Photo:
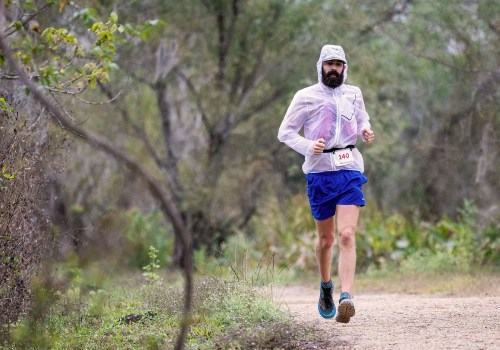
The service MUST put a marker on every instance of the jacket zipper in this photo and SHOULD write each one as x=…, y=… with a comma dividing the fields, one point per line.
x=337, y=129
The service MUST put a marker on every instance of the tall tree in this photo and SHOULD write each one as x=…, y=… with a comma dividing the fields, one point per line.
x=217, y=73
x=452, y=81
x=429, y=72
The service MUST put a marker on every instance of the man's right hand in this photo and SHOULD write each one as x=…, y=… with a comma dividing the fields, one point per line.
x=319, y=146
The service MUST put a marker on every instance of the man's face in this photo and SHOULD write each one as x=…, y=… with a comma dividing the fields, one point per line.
x=333, y=73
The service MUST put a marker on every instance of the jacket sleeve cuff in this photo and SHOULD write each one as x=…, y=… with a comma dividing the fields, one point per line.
x=310, y=149
x=362, y=127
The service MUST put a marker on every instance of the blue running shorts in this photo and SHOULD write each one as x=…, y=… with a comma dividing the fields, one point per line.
x=327, y=189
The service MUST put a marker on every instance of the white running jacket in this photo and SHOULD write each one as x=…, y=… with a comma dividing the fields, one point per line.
x=336, y=114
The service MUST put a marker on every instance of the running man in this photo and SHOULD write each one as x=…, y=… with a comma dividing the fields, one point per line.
x=332, y=115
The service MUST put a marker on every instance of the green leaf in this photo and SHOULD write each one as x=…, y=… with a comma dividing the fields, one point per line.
x=112, y=66
x=87, y=15
x=30, y=4
x=113, y=17
x=77, y=209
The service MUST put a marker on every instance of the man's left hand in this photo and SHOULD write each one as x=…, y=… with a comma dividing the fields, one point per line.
x=368, y=135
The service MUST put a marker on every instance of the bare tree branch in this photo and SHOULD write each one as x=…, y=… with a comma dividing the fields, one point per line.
x=28, y=18
x=8, y=76
x=111, y=99
x=198, y=101
x=139, y=132
x=262, y=105
x=224, y=32
x=397, y=9
x=166, y=59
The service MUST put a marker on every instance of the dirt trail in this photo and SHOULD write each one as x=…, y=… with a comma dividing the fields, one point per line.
x=402, y=321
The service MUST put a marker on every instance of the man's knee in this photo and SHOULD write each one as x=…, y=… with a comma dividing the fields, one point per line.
x=346, y=237
x=325, y=242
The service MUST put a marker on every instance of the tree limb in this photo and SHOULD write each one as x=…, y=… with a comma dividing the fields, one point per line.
x=197, y=98
x=139, y=132
x=29, y=17
x=397, y=9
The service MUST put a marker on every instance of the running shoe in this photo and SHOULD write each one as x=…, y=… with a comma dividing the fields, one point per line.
x=346, y=308
x=326, y=307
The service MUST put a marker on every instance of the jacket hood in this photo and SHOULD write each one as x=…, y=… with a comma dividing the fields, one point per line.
x=331, y=52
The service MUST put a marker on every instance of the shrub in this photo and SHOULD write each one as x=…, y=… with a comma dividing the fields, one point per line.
x=143, y=230
x=26, y=161
x=383, y=239
x=449, y=244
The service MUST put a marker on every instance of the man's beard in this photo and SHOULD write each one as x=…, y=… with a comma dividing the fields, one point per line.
x=333, y=79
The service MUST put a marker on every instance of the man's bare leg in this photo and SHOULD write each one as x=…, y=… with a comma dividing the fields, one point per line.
x=326, y=235
x=347, y=220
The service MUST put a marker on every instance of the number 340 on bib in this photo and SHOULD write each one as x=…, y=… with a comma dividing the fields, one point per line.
x=343, y=157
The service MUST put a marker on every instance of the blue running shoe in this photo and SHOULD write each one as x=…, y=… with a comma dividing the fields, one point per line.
x=346, y=308
x=326, y=307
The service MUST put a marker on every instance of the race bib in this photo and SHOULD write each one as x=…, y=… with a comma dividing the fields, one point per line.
x=343, y=157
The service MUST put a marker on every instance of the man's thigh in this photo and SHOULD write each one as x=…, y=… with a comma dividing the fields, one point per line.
x=325, y=228
x=347, y=216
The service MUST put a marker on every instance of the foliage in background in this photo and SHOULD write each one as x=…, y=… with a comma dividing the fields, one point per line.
x=384, y=241
x=222, y=158
x=424, y=107
x=457, y=244
x=282, y=247
x=143, y=231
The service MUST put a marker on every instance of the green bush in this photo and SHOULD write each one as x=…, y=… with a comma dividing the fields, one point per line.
x=426, y=261
x=459, y=244
x=383, y=240
x=490, y=244
x=142, y=231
